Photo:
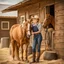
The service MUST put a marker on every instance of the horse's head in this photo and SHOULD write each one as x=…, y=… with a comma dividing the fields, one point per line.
x=28, y=28
x=47, y=21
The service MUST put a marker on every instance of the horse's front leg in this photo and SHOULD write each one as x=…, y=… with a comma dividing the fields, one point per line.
x=26, y=52
x=22, y=52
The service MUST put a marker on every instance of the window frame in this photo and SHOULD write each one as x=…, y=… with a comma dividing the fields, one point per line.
x=21, y=21
x=2, y=22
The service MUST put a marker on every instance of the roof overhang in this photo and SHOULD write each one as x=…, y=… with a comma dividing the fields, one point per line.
x=12, y=17
x=20, y=5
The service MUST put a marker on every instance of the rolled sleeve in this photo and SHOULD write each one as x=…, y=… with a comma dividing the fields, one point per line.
x=39, y=26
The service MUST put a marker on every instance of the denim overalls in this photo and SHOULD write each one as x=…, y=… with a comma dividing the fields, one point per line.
x=37, y=39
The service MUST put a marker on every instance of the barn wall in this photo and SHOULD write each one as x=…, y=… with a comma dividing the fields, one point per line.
x=5, y=33
x=59, y=27
x=36, y=9
x=29, y=10
x=43, y=5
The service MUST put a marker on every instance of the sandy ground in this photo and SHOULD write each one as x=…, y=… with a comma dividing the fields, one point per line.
x=5, y=58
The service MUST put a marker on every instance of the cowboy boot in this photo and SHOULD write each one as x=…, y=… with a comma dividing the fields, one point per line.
x=38, y=57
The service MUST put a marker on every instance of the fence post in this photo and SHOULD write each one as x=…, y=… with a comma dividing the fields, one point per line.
x=5, y=42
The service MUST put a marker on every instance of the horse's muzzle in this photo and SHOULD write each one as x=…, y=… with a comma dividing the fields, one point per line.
x=28, y=36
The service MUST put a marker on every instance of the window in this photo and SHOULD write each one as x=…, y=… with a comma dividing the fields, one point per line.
x=4, y=25
x=22, y=18
x=50, y=10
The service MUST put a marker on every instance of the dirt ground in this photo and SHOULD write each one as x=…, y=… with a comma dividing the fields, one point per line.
x=41, y=62
x=5, y=58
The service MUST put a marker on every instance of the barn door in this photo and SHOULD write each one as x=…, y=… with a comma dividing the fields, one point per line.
x=49, y=35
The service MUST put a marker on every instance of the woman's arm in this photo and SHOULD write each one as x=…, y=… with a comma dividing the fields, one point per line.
x=36, y=32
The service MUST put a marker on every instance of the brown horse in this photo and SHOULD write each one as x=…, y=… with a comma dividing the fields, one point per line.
x=20, y=35
x=49, y=20
x=49, y=34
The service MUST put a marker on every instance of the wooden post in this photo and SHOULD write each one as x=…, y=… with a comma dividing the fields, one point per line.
x=53, y=40
x=59, y=27
x=5, y=42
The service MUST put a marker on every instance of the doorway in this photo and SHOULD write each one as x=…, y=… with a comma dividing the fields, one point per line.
x=50, y=28
x=50, y=10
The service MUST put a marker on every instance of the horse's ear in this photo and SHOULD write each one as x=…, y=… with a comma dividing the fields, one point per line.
x=28, y=20
x=47, y=15
x=24, y=21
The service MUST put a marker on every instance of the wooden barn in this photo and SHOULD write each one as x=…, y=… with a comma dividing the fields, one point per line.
x=27, y=8
x=5, y=24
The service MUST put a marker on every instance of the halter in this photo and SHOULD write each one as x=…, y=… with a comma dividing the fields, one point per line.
x=28, y=30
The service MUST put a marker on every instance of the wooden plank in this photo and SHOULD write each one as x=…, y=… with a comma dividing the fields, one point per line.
x=59, y=17
x=59, y=45
x=59, y=13
x=58, y=1
x=32, y=9
x=60, y=51
x=59, y=21
x=59, y=33
x=60, y=38
x=50, y=2
x=59, y=6
x=58, y=41
x=59, y=26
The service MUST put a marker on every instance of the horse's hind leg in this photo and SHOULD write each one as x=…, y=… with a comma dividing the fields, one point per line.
x=17, y=51
x=26, y=52
x=13, y=48
x=22, y=52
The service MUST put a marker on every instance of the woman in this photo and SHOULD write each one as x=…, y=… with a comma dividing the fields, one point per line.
x=37, y=39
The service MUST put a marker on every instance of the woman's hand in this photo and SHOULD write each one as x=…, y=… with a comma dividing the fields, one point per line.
x=33, y=33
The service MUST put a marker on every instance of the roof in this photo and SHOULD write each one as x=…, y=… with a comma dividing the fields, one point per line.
x=20, y=4
x=8, y=17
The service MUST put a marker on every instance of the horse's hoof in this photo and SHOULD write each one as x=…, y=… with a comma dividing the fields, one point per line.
x=17, y=59
x=13, y=59
x=22, y=59
x=26, y=61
